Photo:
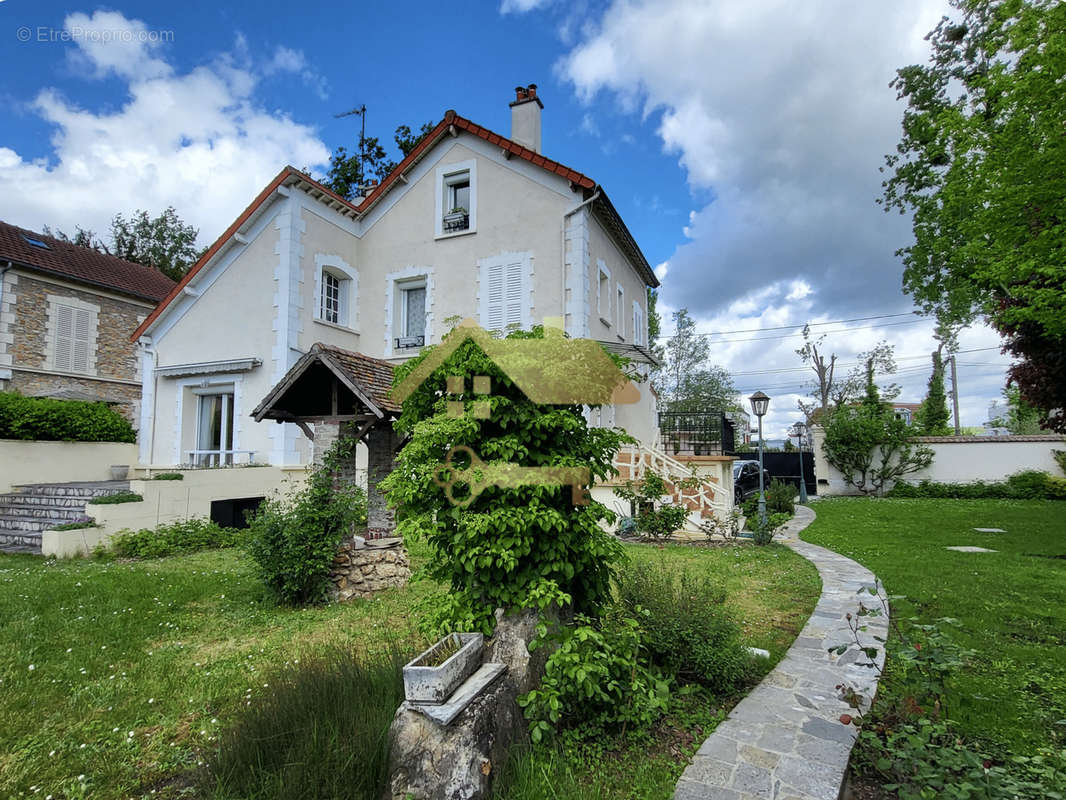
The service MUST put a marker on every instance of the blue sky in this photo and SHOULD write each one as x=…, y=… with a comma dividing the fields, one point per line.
x=740, y=141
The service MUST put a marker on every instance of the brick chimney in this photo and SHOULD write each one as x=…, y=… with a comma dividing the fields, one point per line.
x=525, y=117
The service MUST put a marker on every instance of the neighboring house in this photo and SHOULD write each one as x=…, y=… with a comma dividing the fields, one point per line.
x=906, y=411
x=470, y=224
x=66, y=317
x=997, y=413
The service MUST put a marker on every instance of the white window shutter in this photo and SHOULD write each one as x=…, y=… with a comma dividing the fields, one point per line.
x=495, y=318
x=79, y=361
x=62, y=356
x=514, y=294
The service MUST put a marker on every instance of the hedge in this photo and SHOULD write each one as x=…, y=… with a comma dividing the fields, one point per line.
x=46, y=420
x=1027, y=485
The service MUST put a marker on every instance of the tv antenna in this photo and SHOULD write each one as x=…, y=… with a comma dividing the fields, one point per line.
x=361, y=112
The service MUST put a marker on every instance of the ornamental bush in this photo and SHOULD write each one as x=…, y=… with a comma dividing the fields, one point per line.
x=781, y=498
x=686, y=627
x=46, y=420
x=511, y=547
x=294, y=539
x=655, y=523
x=1025, y=485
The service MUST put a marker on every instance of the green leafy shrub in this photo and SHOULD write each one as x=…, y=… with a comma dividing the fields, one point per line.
x=294, y=539
x=781, y=498
x=595, y=680
x=1026, y=485
x=174, y=538
x=686, y=628
x=928, y=759
x=655, y=523
x=46, y=420
x=1060, y=459
x=76, y=526
x=510, y=547
x=116, y=499
x=168, y=476
x=320, y=733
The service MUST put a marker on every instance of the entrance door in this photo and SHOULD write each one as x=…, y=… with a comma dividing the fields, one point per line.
x=214, y=436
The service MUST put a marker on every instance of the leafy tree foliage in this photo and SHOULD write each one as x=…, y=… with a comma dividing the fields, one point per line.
x=932, y=417
x=511, y=547
x=370, y=163
x=982, y=168
x=1021, y=417
x=869, y=445
x=164, y=242
x=830, y=389
x=684, y=382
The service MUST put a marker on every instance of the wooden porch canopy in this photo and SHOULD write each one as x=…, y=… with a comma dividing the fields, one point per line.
x=332, y=385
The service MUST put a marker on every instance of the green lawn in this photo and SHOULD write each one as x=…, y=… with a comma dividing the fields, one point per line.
x=1011, y=604
x=116, y=678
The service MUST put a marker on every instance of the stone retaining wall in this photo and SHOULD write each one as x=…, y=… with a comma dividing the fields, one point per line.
x=361, y=571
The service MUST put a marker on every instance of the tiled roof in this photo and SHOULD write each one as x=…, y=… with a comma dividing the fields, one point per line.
x=81, y=264
x=372, y=375
x=1037, y=437
x=290, y=176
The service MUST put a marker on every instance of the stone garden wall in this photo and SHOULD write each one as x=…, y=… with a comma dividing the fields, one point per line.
x=360, y=570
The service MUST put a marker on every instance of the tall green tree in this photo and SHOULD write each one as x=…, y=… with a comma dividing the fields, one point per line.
x=932, y=417
x=981, y=167
x=165, y=242
x=684, y=353
x=349, y=171
x=1021, y=418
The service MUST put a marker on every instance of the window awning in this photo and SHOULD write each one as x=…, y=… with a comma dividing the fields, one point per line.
x=209, y=368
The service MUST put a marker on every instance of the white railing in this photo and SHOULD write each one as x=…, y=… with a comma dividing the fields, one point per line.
x=205, y=459
x=707, y=496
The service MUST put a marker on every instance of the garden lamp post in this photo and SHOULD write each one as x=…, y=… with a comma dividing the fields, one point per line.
x=799, y=430
x=759, y=404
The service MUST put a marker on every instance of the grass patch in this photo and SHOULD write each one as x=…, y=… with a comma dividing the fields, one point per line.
x=1011, y=604
x=321, y=733
x=770, y=592
x=141, y=670
x=75, y=526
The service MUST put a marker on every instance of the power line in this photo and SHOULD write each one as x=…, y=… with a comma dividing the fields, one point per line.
x=811, y=324
x=823, y=333
x=849, y=363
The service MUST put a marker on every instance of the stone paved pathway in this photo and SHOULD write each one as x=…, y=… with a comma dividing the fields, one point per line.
x=785, y=740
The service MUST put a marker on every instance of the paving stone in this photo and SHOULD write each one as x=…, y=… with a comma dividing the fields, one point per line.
x=784, y=740
x=990, y=530
x=969, y=549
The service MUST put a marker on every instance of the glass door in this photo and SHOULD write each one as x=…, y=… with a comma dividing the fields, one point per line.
x=214, y=438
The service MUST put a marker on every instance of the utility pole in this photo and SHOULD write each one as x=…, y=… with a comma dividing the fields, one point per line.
x=955, y=395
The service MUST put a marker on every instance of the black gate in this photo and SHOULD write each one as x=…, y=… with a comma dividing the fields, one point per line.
x=786, y=467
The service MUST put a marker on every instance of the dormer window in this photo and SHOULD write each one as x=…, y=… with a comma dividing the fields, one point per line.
x=456, y=207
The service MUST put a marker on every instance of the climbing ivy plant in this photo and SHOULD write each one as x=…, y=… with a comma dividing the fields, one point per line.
x=512, y=547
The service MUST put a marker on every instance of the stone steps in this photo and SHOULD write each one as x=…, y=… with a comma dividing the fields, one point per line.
x=37, y=507
x=19, y=541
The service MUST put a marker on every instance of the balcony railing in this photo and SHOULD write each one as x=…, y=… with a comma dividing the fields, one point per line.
x=407, y=342
x=697, y=433
x=455, y=221
x=207, y=459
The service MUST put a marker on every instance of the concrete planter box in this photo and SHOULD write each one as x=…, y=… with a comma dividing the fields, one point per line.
x=435, y=684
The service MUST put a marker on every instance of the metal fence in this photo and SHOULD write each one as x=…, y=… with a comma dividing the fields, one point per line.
x=695, y=433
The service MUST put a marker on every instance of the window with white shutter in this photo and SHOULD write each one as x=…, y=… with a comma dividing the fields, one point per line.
x=638, y=324
x=505, y=292
x=73, y=335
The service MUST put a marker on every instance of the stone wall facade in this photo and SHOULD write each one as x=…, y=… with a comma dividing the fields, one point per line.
x=114, y=372
x=361, y=571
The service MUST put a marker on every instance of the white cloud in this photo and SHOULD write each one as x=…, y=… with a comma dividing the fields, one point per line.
x=197, y=140
x=287, y=60
x=521, y=6
x=783, y=111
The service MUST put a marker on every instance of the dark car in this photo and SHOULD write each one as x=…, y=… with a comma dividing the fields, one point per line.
x=746, y=480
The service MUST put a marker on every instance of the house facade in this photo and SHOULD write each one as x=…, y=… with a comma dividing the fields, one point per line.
x=66, y=317
x=471, y=224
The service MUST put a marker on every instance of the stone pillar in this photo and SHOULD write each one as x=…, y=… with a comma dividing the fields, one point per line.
x=381, y=443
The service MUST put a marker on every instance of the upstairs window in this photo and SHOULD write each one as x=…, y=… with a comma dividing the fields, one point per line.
x=411, y=322
x=638, y=324
x=505, y=302
x=603, y=293
x=331, y=298
x=620, y=312
x=337, y=287
x=456, y=206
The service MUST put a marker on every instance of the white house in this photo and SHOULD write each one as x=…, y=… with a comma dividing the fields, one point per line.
x=470, y=224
